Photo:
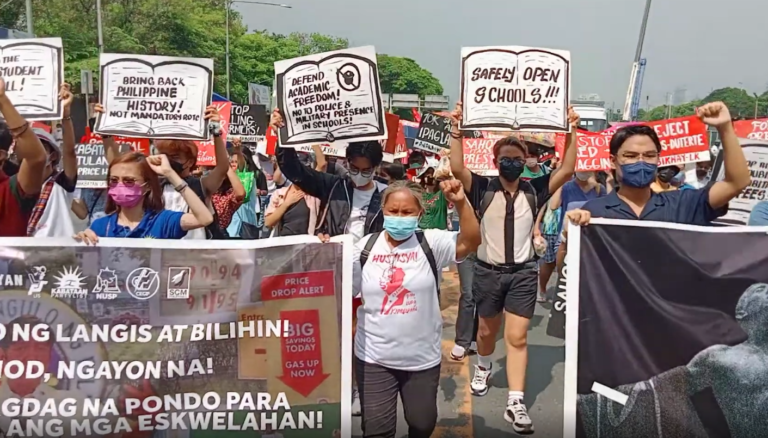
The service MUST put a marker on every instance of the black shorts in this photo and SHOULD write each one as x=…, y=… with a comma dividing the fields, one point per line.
x=511, y=289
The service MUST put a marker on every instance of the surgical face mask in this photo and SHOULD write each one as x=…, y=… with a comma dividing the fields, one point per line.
x=638, y=175
x=359, y=180
x=583, y=176
x=678, y=179
x=510, y=168
x=126, y=196
x=400, y=227
x=665, y=175
x=531, y=162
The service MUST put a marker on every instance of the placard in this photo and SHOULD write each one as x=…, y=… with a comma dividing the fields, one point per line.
x=740, y=207
x=92, y=165
x=155, y=97
x=478, y=156
x=752, y=129
x=206, y=149
x=515, y=88
x=683, y=140
x=328, y=97
x=249, y=122
x=434, y=133
x=33, y=70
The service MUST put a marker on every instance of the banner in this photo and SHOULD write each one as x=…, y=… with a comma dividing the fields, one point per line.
x=752, y=129
x=739, y=209
x=434, y=133
x=175, y=338
x=665, y=331
x=33, y=70
x=137, y=144
x=478, y=156
x=249, y=122
x=206, y=152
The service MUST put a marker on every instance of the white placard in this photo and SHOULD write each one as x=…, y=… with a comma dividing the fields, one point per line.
x=740, y=207
x=155, y=97
x=515, y=88
x=33, y=71
x=333, y=96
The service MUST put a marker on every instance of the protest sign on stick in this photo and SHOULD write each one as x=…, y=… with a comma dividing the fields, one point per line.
x=328, y=97
x=155, y=97
x=249, y=122
x=515, y=88
x=232, y=338
x=478, y=156
x=33, y=71
x=92, y=165
x=434, y=133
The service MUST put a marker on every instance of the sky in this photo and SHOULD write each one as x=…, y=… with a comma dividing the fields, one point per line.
x=696, y=45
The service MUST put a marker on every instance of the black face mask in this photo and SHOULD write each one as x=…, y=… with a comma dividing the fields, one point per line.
x=666, y=175
x=381, y=179
x=177, y=167
x=510, y=168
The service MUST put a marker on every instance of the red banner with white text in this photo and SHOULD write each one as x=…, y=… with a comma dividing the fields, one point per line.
x=752, y=129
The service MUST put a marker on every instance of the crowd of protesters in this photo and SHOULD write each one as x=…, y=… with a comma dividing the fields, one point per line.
x=507, y=234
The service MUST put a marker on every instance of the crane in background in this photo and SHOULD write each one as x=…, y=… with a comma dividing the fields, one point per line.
x=632, y=103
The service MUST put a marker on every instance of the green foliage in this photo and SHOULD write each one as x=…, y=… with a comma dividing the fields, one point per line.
x=740, y=103
x=192, y=28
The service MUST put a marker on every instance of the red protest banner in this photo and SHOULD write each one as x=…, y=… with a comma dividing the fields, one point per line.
x=301, y=350
x=683, y=140
x=206, y=156
x=136, y=144
x=593, y=152
x=298, y=285
x=752, y=129
x=478, y=156
x=393, y=129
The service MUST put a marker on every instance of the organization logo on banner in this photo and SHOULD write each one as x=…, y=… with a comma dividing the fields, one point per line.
x=69, y=284
x=178, y=283
x=142, y=283
x=106, y=287
x=37, y=280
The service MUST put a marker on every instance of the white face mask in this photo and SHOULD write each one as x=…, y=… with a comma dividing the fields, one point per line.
x=531, y=162
x=360, y=180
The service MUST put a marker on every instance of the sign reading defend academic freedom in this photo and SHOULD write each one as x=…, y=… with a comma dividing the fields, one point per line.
x=329, y=97
x=515, y=88
x=155, y=97
x=92, y=165
x=33, y=71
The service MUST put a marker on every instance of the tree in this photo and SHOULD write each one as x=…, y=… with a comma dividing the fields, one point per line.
x=740, y=103
x=405, y=76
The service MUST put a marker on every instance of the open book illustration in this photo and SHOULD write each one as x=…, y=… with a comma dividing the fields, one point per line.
x=155, y=97
x=33, y=73
x=331, y=98
x=515, y=88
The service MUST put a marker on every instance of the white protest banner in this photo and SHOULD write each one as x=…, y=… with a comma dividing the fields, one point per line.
x=333, y=96
x=515, y=88
x=155, y=97
x=33, y=71
x=240, y=334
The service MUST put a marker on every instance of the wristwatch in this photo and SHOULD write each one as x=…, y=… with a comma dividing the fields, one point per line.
x=215, y=129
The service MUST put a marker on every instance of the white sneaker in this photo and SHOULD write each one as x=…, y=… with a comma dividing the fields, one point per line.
x=517, y=415
x=458, y=353
x=356, y=411
x=479, y=384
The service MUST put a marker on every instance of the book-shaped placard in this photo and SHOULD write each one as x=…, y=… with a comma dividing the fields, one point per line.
x=155, y=96
x=330, y=97
x=515, y=88
x=33, y=71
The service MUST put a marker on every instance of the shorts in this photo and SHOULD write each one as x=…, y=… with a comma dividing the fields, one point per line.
x=512, y=289
x=553, y=243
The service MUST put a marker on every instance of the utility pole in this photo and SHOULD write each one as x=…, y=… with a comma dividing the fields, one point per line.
x=98, y=26
x=227, y=48
x=30, y=26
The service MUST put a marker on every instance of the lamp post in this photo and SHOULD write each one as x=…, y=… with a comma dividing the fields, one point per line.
x=30, y=26
x=229, y=4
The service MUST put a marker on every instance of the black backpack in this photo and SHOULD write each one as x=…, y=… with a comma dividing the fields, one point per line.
x=424, y=247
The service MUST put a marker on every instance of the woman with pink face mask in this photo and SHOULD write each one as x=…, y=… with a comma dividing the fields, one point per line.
x=135, y=205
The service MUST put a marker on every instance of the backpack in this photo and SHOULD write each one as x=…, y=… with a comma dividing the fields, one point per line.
x=424, y=247
x=212, y=231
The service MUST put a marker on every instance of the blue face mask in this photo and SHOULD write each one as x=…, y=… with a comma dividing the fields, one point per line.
x=401, y=227
x=638, y=175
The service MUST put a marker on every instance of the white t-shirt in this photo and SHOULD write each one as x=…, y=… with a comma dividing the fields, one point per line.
x=361, y=199
x=56, y=220
x=399, y=325
x=174, y=201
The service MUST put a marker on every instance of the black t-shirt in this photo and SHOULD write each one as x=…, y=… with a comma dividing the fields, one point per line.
x=295, y=221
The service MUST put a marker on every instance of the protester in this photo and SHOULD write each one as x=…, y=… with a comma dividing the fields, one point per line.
x=389, y=172
x=51, y=215
x=533, y=169
x=759, y=215
x=135, y=205
x=292, y=212
x=635, y=151
x=547, y=224
x=245, y=222
x=704, y=171
x=505, y=279
x=19, y=192
x=399, y=330
x=670, y=178
x=435, y=204
x=583, y=187
x=228, y=199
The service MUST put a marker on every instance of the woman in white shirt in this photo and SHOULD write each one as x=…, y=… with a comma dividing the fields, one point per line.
x=399, y=325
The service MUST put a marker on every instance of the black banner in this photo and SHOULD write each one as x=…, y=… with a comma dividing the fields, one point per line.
x=672, y=330
x=248, y=122
x=434, y=133
x=92, y=165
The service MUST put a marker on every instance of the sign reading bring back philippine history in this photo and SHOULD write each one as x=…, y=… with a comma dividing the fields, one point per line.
x=515, y=88
x=33, y=71
x=155, y=96
x=330, y=97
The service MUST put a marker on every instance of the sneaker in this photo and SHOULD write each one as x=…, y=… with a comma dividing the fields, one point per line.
x=517, y=415
x=479, y=384
x=356, y=411
x=458, y=353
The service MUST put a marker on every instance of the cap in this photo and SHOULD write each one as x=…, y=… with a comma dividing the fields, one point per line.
x=46, y=137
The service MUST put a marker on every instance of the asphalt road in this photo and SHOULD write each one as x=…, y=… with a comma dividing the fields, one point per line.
x=462, y=415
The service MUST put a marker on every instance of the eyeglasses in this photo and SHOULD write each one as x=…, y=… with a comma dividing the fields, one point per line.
x=127, y=181
x=355, y=171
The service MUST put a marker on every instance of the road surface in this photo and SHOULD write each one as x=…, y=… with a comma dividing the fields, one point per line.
x=461, y=415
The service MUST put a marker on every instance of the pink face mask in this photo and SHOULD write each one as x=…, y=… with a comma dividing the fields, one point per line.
x=126, y=196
